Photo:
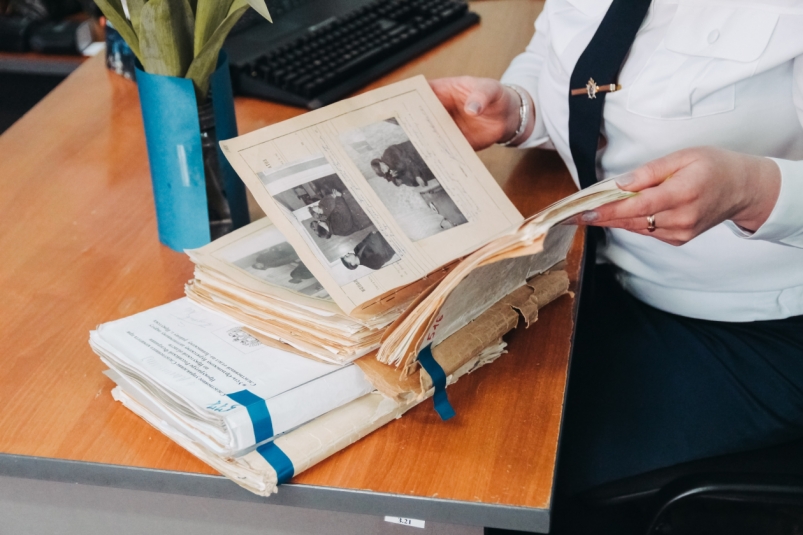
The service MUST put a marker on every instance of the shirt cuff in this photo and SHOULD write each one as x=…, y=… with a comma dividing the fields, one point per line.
x=539, y=134
x=785, y=223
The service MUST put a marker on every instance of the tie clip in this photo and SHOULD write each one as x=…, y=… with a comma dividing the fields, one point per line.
x=591, y=89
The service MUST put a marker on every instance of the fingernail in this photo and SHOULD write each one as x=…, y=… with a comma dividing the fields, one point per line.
x=473, y=108
x=624, y=180
x=589, y=217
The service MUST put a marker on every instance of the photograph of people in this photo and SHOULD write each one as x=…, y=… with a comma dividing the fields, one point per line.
x=299, y=274
x=329, y=217
x=277, y=255
x=372, y=252
x=689, y=342
x=277, y=264
x=402, y=165
x=402, y=180
x=338, y=214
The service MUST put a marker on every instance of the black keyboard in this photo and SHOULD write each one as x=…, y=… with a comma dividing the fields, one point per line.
x=332, y=59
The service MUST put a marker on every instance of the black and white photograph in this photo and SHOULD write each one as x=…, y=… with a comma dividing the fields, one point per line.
x=268, y=257
x=401, y=178
x=330, y=218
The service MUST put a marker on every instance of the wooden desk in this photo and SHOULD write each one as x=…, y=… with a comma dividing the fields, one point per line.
x=79, y=247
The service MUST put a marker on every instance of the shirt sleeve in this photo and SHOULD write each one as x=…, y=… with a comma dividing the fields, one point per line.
x=525, y=70
x=785, y=223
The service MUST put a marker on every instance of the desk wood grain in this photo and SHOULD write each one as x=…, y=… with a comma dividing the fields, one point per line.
x=79, y=247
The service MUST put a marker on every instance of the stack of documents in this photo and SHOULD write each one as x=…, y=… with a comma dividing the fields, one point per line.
x=254, y=276
x=204, y=375
x=391, y=263
x=372, y=204
x=257, y=414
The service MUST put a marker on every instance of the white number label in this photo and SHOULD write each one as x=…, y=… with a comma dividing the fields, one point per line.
x=405, y=521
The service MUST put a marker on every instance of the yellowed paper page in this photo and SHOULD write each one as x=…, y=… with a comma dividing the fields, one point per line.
x=374, y=192
x=417, y=328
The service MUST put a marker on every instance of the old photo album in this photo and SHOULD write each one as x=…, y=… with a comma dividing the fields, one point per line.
x=374, y=192
x=389, y=265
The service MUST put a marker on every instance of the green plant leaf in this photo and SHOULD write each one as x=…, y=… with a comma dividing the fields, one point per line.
x=134, y=10
x=237, y=4
x=166, y=36
x=260, y=7
x=205, y=61
x=209, y=15
x=113, y=11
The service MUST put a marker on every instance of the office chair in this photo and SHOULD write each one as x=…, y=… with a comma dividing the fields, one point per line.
x=757, y=493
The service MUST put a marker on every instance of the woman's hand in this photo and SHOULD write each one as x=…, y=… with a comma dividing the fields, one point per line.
x=486, y=111
x=692, y=190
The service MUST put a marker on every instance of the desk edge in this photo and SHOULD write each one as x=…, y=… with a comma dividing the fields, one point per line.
x=308, y=496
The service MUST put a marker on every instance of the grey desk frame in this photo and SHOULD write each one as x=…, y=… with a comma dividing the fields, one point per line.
x=306, y=496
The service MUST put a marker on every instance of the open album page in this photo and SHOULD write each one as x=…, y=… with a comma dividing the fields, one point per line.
x=374, y=192
x=258, y=258
x=418, y=327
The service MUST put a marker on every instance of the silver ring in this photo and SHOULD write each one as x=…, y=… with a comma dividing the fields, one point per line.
x=651, y=223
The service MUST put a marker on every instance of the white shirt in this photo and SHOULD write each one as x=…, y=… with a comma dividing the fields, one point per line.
x=725, y=73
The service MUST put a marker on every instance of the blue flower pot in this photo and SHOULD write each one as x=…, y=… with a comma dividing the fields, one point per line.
x=190, y=175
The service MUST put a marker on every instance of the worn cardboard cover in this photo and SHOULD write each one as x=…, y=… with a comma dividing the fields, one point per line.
x=468, y=342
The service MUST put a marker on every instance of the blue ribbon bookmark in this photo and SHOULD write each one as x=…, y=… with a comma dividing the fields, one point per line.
x=258, y=411
x=278, y=460
x=441, y=401
x=263, y=429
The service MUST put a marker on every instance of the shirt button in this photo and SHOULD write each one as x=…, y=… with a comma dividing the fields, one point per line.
x=713, y=36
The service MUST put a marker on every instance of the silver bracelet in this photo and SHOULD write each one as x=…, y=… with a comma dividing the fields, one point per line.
x=524, y=115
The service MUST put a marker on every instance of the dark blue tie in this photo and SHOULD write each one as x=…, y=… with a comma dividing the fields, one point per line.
x=601, y=61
